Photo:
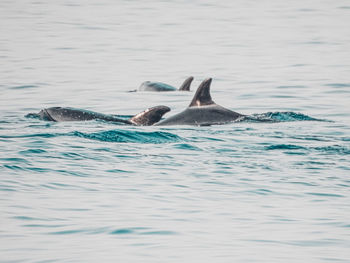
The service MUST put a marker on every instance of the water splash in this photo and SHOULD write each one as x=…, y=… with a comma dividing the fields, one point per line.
x=286, y=116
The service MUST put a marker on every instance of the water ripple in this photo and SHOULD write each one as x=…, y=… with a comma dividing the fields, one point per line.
x=338, y=85
x=125, y=136
x=287, y=116
x=23, y=87
x=130, y=136
x=285, y=147
x=275, y=183
x=326, y=194
x=330, y=149
x=101, y=230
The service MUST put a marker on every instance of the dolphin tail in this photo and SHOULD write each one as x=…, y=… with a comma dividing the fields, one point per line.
x=150, y=116
x=202, y=96
x=187, y=84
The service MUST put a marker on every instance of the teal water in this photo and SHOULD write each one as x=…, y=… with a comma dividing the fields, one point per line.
x=272, y=187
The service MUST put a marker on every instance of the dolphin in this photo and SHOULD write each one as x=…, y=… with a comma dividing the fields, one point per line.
x=58, y=114
x=159, y=86
x=202, y=110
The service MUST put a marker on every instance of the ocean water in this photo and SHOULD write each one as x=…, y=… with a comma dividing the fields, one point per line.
x=274, y=187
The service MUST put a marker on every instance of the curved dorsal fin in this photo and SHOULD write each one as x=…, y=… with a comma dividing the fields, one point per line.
x=150, y=116
x=187, y=84
x=202, y=96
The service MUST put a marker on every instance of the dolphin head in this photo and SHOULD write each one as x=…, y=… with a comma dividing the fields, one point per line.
x=150, y=116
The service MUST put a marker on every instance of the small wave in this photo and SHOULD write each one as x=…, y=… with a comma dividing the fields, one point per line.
x=32, y=151
x=286, y=116
x=285, y=147
x=338, y=85
x=44, y=135
x=293, y=87
x=141, y=231
x=32, y=116
x=186, y=146
x=67, y=232
x=130, y=136
x=122, y=231
x=334, y=149
x=326, y=194
x=162, y=232
x=24, y=87
x=29, y=218
x=127, y=136
x=331, y=149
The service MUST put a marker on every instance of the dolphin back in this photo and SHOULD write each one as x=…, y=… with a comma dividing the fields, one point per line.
x=155, y=86
x=58, y=114
x=202, y=110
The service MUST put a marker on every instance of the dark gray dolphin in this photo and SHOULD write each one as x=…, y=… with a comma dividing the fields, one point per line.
x=202, y=110
x=146, y=118
x=159, y=86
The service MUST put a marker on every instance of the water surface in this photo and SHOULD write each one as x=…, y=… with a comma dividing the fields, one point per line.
x=271, y=188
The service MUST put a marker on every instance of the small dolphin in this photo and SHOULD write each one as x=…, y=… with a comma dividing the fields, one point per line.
x=202, y=110
x=58, y=114
x=159, y=86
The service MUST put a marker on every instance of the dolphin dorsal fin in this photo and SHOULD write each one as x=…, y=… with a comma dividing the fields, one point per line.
x=150, y=116
x=187, y=84
x=202, y=96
